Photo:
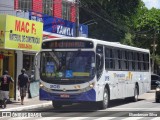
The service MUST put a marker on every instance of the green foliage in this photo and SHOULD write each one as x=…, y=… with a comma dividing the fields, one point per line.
x=125, y=21
x=128, y=39
x=147, y=23
x=113, y=17
x=157, y=59
x=149, y=19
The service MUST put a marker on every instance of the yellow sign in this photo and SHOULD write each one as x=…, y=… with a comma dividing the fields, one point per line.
x=2, y=30
x=22, y=34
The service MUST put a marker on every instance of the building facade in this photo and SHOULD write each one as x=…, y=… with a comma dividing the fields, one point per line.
x=64, y=9
x=14, y=60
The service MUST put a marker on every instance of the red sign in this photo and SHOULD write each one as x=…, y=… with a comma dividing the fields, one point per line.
x=64, y=96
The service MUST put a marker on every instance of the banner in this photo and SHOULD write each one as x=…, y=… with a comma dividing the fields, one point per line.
x=59, y=26
x=22, y=34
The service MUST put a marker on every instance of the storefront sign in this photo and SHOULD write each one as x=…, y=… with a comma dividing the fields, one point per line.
x=58, y=25
x=21, y=34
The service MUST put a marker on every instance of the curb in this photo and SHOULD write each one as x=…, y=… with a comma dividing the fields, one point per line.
x=27, y=107
x=151, y=91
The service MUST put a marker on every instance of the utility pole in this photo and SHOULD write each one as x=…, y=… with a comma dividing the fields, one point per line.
x=77, y=18
x=154, y=50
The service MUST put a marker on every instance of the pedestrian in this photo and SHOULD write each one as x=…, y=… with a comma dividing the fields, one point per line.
x=23, y=82
x=5, y=81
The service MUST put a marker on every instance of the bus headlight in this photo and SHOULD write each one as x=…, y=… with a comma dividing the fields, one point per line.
x=91, y=85
x=41, y=85
x=158, y=89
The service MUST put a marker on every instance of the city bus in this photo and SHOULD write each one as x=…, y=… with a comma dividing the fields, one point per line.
x=76, y=70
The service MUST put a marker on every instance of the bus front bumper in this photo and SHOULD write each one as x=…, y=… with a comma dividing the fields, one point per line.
x=76, y=97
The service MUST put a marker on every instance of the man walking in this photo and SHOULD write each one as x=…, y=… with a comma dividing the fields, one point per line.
x=23, y=81
x=5, y=81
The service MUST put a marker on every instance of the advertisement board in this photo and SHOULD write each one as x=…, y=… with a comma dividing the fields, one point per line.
x=21, y=34
x=59, y=26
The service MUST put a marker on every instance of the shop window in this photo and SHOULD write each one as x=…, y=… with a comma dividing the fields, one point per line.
x=25, y=5
x=28, y=64
x=65, y=10
x=48, y=7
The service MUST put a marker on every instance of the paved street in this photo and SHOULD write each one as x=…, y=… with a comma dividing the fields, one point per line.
x=119, y=109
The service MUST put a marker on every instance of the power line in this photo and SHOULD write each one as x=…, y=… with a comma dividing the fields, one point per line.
x=106, y=20
x=115, y=31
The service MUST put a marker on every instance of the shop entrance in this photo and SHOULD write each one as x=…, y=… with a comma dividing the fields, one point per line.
x=7, y=62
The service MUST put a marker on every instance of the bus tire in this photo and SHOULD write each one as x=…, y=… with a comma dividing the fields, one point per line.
x=56, y=104
x=105, y=102
x=157, y=100
x=135, y=97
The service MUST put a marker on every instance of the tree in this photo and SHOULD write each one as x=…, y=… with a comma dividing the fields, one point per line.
x=128, y=39
x=148, y=26
x=128, y=22
x=111, y=16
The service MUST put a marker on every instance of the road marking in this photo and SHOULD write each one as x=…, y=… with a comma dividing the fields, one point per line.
x=81, y=118
x=95, y=118
x=78, y=118
x=100, y=115
x=156, y=118
x=19, y=118
x=143, y=118
x=146, y=109
x=133, y=118
x=105, y=118
x=50, y=118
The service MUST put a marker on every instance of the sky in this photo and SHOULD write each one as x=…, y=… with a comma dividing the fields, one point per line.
x=152, y=3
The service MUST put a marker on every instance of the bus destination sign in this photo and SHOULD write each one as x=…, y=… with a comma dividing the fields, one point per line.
x=67, y=44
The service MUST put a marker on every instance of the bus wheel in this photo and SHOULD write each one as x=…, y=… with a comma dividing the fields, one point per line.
x=104, y=104
x=56, y=104
x=135, y=97
x=157, y=100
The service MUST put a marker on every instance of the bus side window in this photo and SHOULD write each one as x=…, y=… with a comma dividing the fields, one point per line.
x=119, y=59
x=99, y=60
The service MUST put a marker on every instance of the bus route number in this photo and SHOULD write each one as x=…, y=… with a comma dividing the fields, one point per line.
x=106, y=78
x=54, y=86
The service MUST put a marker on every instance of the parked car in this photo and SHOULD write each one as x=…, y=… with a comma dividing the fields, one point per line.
x=154, y=79
x=157, y=96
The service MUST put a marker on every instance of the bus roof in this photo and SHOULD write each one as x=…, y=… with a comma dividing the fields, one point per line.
x=112, y=44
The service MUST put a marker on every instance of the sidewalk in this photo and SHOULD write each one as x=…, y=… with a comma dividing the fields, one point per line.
x=29, y=103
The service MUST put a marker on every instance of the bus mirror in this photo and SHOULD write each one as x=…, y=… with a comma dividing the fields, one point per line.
x=98, y=59
x=99, y=55
x=36, y=59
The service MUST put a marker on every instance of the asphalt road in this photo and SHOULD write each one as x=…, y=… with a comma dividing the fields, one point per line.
x=145, y=109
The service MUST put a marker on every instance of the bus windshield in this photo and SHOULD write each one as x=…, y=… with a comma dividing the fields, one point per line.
x=67, y=65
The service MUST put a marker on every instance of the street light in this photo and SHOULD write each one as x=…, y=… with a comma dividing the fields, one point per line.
x=154, y=45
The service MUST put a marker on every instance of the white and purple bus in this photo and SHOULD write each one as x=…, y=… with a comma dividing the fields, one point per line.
x=74, y=70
